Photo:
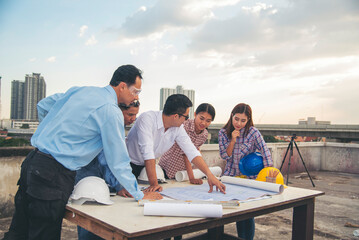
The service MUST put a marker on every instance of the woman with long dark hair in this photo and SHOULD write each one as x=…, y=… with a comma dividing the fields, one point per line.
x=237, y=139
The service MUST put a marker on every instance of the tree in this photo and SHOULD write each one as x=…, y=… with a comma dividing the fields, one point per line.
x=269, y=139
x=13, y=142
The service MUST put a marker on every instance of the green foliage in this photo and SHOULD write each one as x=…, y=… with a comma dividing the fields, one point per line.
x=14, y=142
x=270, y=139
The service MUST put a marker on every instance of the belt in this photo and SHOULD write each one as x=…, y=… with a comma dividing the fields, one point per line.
x=51, y=158
x=37, y=151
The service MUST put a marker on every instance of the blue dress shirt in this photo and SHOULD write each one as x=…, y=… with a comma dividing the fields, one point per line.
x=77, y=125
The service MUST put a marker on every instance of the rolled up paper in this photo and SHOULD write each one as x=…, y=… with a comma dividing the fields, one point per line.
x=273, y=187
x=183, y=210
x=183, y=175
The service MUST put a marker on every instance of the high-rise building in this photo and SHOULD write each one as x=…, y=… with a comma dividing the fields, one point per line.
x=17, y=99
x=26, y=95
x=0, y=97
x=166, y=92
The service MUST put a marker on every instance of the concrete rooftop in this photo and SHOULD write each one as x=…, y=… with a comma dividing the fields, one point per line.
x=333, y=211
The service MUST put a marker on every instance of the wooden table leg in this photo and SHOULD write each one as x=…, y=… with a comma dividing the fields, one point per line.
x=218, y=234
x=303, y=221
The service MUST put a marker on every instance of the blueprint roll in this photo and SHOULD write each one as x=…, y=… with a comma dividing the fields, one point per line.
x=183, y=176
x=183, y=210
x=253, y=184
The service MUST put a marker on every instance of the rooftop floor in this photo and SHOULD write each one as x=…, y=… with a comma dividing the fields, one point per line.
x=333, y=211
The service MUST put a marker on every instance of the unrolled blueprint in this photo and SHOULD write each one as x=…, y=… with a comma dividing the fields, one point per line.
x=238, y=189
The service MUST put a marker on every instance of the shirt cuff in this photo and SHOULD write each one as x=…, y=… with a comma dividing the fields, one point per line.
x=139, y=195
x=192, y=156
x=224, y=155
x=148, y=156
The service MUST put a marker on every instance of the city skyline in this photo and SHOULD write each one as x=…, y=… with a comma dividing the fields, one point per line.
x=288, y=60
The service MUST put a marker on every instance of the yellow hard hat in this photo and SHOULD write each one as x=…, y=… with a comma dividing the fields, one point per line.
x=270, y=174
x=241, y=176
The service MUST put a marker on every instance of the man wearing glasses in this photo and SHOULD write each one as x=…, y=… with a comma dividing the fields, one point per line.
x=75, y=127
x=155, y=132
x=130, y=112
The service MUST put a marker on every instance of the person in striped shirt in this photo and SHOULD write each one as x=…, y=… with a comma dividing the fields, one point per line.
x=237, y=139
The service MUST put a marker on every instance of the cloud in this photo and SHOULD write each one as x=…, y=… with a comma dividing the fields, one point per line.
x=91, y=41
x=164, y=16
x=340, y=96
x=32, y=59
x=51, y=59
x=142, y=8
x=83, y=30
x=275, y=34
x=167, y=16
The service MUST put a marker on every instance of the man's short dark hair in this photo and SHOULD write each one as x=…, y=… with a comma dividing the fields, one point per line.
x=176, y=104
x=126, y=74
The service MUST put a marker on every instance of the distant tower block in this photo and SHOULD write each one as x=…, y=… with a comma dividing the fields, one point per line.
x=166, y=92
x=26, y=95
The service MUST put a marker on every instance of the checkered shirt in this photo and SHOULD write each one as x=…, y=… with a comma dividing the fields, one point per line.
x=173, y=161
x=253, y=142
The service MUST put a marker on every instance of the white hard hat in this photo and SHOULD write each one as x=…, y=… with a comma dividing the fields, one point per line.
x=159, y=173
x=92, y=189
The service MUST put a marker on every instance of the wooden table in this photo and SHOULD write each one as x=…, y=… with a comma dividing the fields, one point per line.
x=125, y=219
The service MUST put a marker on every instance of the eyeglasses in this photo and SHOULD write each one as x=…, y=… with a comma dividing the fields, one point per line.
x=134, y=91
x=135, y=103
x=185, y=117
x=132, y=104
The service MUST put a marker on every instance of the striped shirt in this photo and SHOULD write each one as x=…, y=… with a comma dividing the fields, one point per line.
x=244, y=145
x=173, y=161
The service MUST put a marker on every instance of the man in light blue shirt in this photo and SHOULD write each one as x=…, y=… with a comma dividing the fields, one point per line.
x=98, y=167
x=76, y=126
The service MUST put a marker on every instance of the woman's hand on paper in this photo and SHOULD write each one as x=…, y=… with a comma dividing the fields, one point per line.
x=152, y=196
x=212, y=180
x=196, y=181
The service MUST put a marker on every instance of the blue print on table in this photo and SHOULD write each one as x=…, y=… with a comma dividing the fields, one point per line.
x=233, y=192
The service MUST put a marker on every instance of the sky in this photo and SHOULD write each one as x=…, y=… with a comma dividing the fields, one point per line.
x=287, y=59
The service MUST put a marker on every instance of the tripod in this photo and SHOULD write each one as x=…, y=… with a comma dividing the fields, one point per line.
x=290, y=147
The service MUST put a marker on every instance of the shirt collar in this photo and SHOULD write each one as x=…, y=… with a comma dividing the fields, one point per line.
x=112, y=92
x=159, y=120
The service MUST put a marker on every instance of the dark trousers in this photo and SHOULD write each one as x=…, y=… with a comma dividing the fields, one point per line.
x=246, y=229
x=44, y=188
x=136, y=169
